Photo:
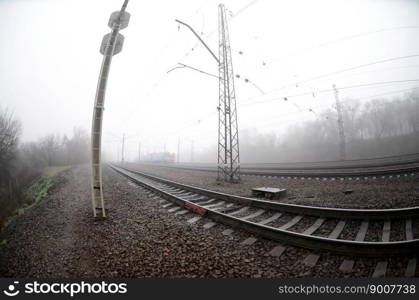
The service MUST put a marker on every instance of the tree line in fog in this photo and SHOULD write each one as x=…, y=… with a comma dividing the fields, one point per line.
x=380, y=127
x=22, y=163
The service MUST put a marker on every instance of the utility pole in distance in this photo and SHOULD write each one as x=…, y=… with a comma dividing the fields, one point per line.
x=178, y=149
x=192, y=151
x=123, y=149
x=341, y=129
x=111, y=45
x=139, y=151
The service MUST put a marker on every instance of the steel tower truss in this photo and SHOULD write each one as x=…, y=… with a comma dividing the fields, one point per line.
x=228, y=134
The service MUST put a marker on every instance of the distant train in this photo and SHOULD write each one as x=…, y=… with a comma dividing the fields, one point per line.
x=160, y=157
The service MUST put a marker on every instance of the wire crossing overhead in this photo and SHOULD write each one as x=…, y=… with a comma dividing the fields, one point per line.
x=342, y=143
x=111, y=45
x=228, y=133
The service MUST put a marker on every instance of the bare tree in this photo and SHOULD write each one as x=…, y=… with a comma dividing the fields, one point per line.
x=10, y=129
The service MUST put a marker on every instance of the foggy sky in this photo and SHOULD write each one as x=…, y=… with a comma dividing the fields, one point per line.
x=50, y=61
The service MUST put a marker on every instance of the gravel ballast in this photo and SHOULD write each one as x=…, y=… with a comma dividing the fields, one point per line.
x=59, y=238
x=367, y=193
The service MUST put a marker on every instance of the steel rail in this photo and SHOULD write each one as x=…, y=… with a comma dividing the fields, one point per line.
x=346, y=247
x=308, y=172
x=316, y=211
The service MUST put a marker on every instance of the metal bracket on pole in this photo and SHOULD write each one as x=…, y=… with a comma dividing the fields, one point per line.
x=199, y=38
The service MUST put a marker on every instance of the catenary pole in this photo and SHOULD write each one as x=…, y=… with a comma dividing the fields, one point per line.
x=111, y=45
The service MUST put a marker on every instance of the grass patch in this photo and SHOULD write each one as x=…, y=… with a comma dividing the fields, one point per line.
x=52, y=171
x=3, y=242
x=37, y=191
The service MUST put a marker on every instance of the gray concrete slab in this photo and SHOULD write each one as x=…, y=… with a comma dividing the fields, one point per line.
x=249, y=241
x=380, y=269
x=254, y=215
x=386, y=231
x=314, y=227
x=362, y=231
x=194, y=219
x=277, y=251
x=347, y=266
x=241, y=210
x=409, y=229
x=174, y=209
x=291, y=223
x=311, y=260
x=338, y=230
x=228, y=232
x=209, y=225
x=182, y=212
x=411, y=268
x=270, y=219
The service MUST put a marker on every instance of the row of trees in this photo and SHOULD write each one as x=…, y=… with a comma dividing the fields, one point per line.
x=380, y=127
x=22, y=163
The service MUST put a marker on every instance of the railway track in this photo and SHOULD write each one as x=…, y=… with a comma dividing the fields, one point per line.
x=406, y=165
x=343, y=231
x=366, y=173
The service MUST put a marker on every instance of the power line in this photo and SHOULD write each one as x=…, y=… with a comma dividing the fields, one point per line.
x=346, y=70
x=286, y=98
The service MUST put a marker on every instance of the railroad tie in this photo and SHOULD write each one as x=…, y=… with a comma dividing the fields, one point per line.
x=214, y=204
x=167, y=205
x=338, y=230
x=386, y=231
x=311, y=260
x=277, y=251
x=346, y=266
x=249, y=241
x=380, y=269
x=411, y=268
x=291, y=223
x=194, y=219
x=174, y=209
x=209, y=225
x=199, y=199
x=409, y=231
x=194, y=197
x=271, y=219
x=182, y=212
x=205, y=202
x=241, y=210
x=362, y=231
x=254, y=215
x=228, y=231
x=228, y=208
x=314, y=227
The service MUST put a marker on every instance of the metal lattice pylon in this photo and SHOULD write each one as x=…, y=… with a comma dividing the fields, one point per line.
x=228, y=134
